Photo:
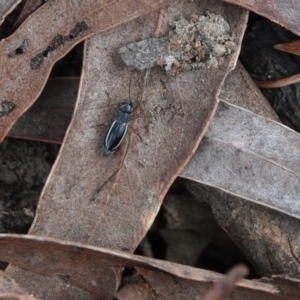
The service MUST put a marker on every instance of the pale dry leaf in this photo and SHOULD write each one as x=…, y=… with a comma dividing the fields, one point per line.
x=240, y=90
x=112, y=201
x=264, y=162
x=284, y=12
x=26, y=57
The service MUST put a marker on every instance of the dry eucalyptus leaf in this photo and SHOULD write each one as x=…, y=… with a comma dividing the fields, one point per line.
x=240, y=90
x=26, y=57
x=112, y=201
x=284, y=12
x=82, y=264
x=252, y=157
x=167, y=286
x=6, y=7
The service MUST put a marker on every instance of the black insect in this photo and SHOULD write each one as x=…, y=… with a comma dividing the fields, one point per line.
x=118, y=129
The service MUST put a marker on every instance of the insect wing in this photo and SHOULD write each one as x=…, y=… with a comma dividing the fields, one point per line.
x=115, y=135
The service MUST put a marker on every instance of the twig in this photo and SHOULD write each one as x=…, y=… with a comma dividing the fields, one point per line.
x=278, y=83
x=226, y=285
x=159, y=23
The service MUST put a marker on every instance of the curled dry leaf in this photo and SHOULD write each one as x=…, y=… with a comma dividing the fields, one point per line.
x=112, y=201
x=293, y=47
x=83, y=264
x=284, y=12
x=278, y=83
x=27, y=56
x=6, y=6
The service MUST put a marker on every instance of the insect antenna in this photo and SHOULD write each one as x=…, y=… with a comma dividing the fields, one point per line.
x=129, y=89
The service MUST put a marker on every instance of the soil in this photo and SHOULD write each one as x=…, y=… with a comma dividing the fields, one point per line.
x=263, y=62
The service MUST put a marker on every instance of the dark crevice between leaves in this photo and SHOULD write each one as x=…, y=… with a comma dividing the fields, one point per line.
x=218, y=256
x=16, y=221
x=264, y=63
x=216, y=259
